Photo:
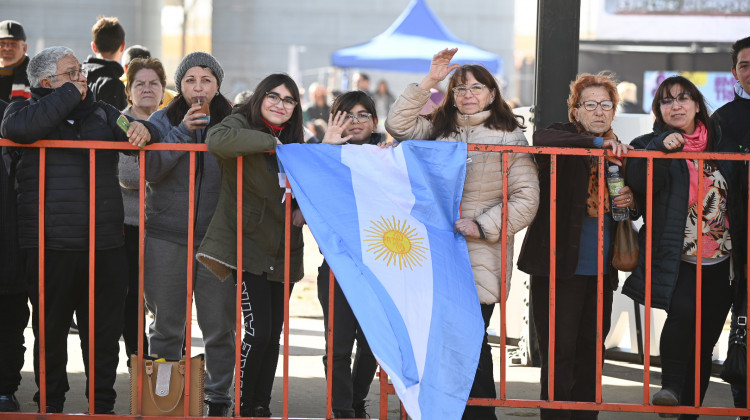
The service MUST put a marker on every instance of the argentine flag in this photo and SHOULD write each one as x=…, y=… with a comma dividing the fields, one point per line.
x=383, y=219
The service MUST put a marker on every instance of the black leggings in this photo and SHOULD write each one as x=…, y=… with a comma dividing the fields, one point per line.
x=263, y=314
x=677, y=343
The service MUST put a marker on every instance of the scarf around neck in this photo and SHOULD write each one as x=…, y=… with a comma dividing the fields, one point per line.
x=592, y=201
x=275, y=129
x=695, y=142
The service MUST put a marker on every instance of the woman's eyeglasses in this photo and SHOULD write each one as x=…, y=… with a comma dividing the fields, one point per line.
x=362, y=117
x=681, y=99
x=275, y=98
x=592, y=105
x=475, y=89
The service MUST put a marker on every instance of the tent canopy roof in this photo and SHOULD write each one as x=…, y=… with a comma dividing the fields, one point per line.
x=409, y=44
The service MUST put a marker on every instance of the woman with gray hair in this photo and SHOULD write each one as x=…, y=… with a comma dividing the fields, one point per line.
x=198, y=106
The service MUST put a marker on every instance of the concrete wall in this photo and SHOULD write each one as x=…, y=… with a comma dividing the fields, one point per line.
x=69, y=22
x=252, y=38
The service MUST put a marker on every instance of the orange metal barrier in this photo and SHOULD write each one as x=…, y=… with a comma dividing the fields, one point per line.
x=385, y=387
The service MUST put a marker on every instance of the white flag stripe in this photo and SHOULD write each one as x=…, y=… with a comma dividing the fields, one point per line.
x=409, y=287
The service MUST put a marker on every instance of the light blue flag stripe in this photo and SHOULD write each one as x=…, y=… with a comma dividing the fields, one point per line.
x=447, y=361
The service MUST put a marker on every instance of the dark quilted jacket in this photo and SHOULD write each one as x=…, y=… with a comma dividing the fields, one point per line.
x=44, y=116
x=670, y=208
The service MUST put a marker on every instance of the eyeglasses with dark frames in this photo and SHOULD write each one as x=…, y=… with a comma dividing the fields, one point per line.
x=275, y=98
x=73, y=75
x=592, y=105
x=681, y=99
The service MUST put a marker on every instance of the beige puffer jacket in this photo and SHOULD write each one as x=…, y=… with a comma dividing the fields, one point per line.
x=482, y=196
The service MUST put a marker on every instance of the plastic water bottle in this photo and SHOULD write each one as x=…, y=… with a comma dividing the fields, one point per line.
x=615, y=182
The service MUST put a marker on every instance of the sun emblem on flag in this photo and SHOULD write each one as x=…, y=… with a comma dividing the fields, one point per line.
x=395, y=242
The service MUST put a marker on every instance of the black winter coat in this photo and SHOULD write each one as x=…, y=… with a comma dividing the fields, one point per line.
x=572, y=191
x=670, y=209
x=11, y=263
x=734, y=121
x=45, y=116
x=104, y=80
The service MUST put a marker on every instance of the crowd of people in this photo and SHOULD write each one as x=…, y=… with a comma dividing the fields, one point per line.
x=53, y=96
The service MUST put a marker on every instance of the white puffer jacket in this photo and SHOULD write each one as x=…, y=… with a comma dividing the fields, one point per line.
x=483, y=189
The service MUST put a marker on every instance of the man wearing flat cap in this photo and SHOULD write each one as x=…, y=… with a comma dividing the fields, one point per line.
x=13, y=61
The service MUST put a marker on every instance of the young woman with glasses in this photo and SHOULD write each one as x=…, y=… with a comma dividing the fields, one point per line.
x=683, y=125
x=591, y=109
x=473, y=111
x=271, y=116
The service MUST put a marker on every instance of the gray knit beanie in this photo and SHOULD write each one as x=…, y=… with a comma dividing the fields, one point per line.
x=197, y=59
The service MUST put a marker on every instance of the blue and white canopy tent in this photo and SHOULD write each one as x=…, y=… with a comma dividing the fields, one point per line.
x=409, y=44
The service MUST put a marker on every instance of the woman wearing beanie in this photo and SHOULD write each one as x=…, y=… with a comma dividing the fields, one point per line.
x=198, y=106
x=271, y=116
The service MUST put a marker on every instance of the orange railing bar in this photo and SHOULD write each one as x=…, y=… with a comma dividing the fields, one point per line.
x=287, y=290
x=552, y=277
x=92, y=275
x=329, y=347
x=503, y=272
x=600, y=278
x=239, y=329
x=141, y=273
x=384, y=386
x=647, y=293
x=42, y=301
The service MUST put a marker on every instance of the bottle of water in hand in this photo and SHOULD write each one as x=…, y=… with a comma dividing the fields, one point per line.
x=614, y=183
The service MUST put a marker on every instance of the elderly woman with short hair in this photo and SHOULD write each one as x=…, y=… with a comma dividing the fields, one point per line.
x=591, y=109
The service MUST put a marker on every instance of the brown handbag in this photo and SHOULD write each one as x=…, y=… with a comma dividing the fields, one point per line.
x=625, y=256
x=164, y=386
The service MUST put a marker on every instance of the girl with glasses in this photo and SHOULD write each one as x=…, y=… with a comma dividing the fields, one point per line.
x=271, y=116
x=473, y=111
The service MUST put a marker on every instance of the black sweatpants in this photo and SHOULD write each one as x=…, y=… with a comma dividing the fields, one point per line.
x=575, y=339
x=66, y=292
x=350, y=383
x=677, y=343
x=14, y=313
x=263, y=315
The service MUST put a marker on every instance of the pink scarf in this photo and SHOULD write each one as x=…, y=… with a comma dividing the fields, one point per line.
x=695, y=142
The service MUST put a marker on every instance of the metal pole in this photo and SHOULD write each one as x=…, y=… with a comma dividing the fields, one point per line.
x=557, y=39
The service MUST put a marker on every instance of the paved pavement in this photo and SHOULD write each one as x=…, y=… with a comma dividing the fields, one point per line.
x=621, y=381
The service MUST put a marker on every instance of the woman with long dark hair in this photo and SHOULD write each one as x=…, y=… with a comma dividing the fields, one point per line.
x=474, y=111
x=682, y=125
x=271, y=116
